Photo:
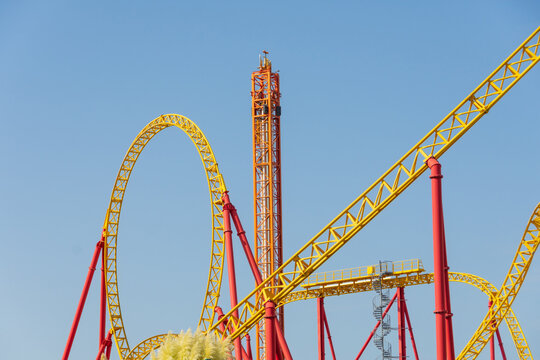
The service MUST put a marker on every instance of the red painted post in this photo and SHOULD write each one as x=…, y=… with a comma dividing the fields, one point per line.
x=501, y=344
x=329, y=336
x=401, y=324
x=82, y=300
x=281, y=340
x=243, y=239
x=376, y=326
x=231, y=272
x=103, y=295
x=270, y=326
x=320, y=327
x=449, y=330
x=410, y=331
x=104, y=343
x=492, y=340
x=248, y=347
x=438, y=257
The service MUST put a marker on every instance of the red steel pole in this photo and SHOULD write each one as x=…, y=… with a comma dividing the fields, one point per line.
x=281, y=340
x=231, y=272
x=401, y=324
x=243, y=239
x=492, y=340
x=329, y=336
x=501, y=344
x=320, y=327
x=438, y=257
x=248, y=347
x=82, y=300
x=270, y=327
x=377, y=326
x=410, y=330
x=449, y=330
x=104, y=343
x=103, y=295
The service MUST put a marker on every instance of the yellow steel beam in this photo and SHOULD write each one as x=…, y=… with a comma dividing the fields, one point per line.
x=216, y=186
x=383, y=191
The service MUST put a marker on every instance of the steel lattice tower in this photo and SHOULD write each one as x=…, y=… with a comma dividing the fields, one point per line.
x=266, y=113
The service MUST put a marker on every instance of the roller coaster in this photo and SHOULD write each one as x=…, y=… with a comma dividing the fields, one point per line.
x=296, y=277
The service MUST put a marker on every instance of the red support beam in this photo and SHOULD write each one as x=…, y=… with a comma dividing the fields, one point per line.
x=105, y=344
x=248, y=347
x=377, y=326
x=439, y=259
x=410, y=330
x=281, y=342
x=501, y=344
x=320, y=327
x=103, y=295
x=231, y=272
x=401, y=324
x=84, y=294
x=270, y=333
x=329, y=336
x=243, y=239
x=449, y=329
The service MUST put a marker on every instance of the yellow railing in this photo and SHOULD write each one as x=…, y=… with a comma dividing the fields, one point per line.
x=393, y=268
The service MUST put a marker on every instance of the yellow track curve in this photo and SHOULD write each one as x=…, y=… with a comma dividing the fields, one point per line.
x=506, y=295
x=346, y=286
x=216, y=187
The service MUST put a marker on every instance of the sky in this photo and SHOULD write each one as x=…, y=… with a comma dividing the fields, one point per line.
x=361, y=83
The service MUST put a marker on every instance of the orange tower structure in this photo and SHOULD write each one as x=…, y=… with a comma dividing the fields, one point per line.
x=266, y=114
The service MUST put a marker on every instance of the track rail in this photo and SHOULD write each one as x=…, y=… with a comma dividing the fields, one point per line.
x=347, y=286
x=384, y=190
x=216, y=186
x=508, y=291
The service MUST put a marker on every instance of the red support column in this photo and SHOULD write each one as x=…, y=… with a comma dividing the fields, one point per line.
x=281, y=341
x=269, y=326
x=438, y=257
x=248, y=347
x=329, y=336
x=106, y=342
x=320, y=327
x=103, y=295
x=377, y=326
x=82, y=300
x=401, y=324
x=231, y=272
x=492, y=340
x=449, y=330
x=501, y=344
x=410, y=331
x=243, y=239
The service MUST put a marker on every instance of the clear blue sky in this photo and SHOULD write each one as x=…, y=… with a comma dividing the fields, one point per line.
x=361, y=83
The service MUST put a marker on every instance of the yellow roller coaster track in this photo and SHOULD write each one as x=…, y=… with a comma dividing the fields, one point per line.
x=364, y=284
x=506, y=295
x=383, y=191
x=216, y=186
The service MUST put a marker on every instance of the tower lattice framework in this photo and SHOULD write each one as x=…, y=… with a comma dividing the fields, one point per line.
x=266, y=113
